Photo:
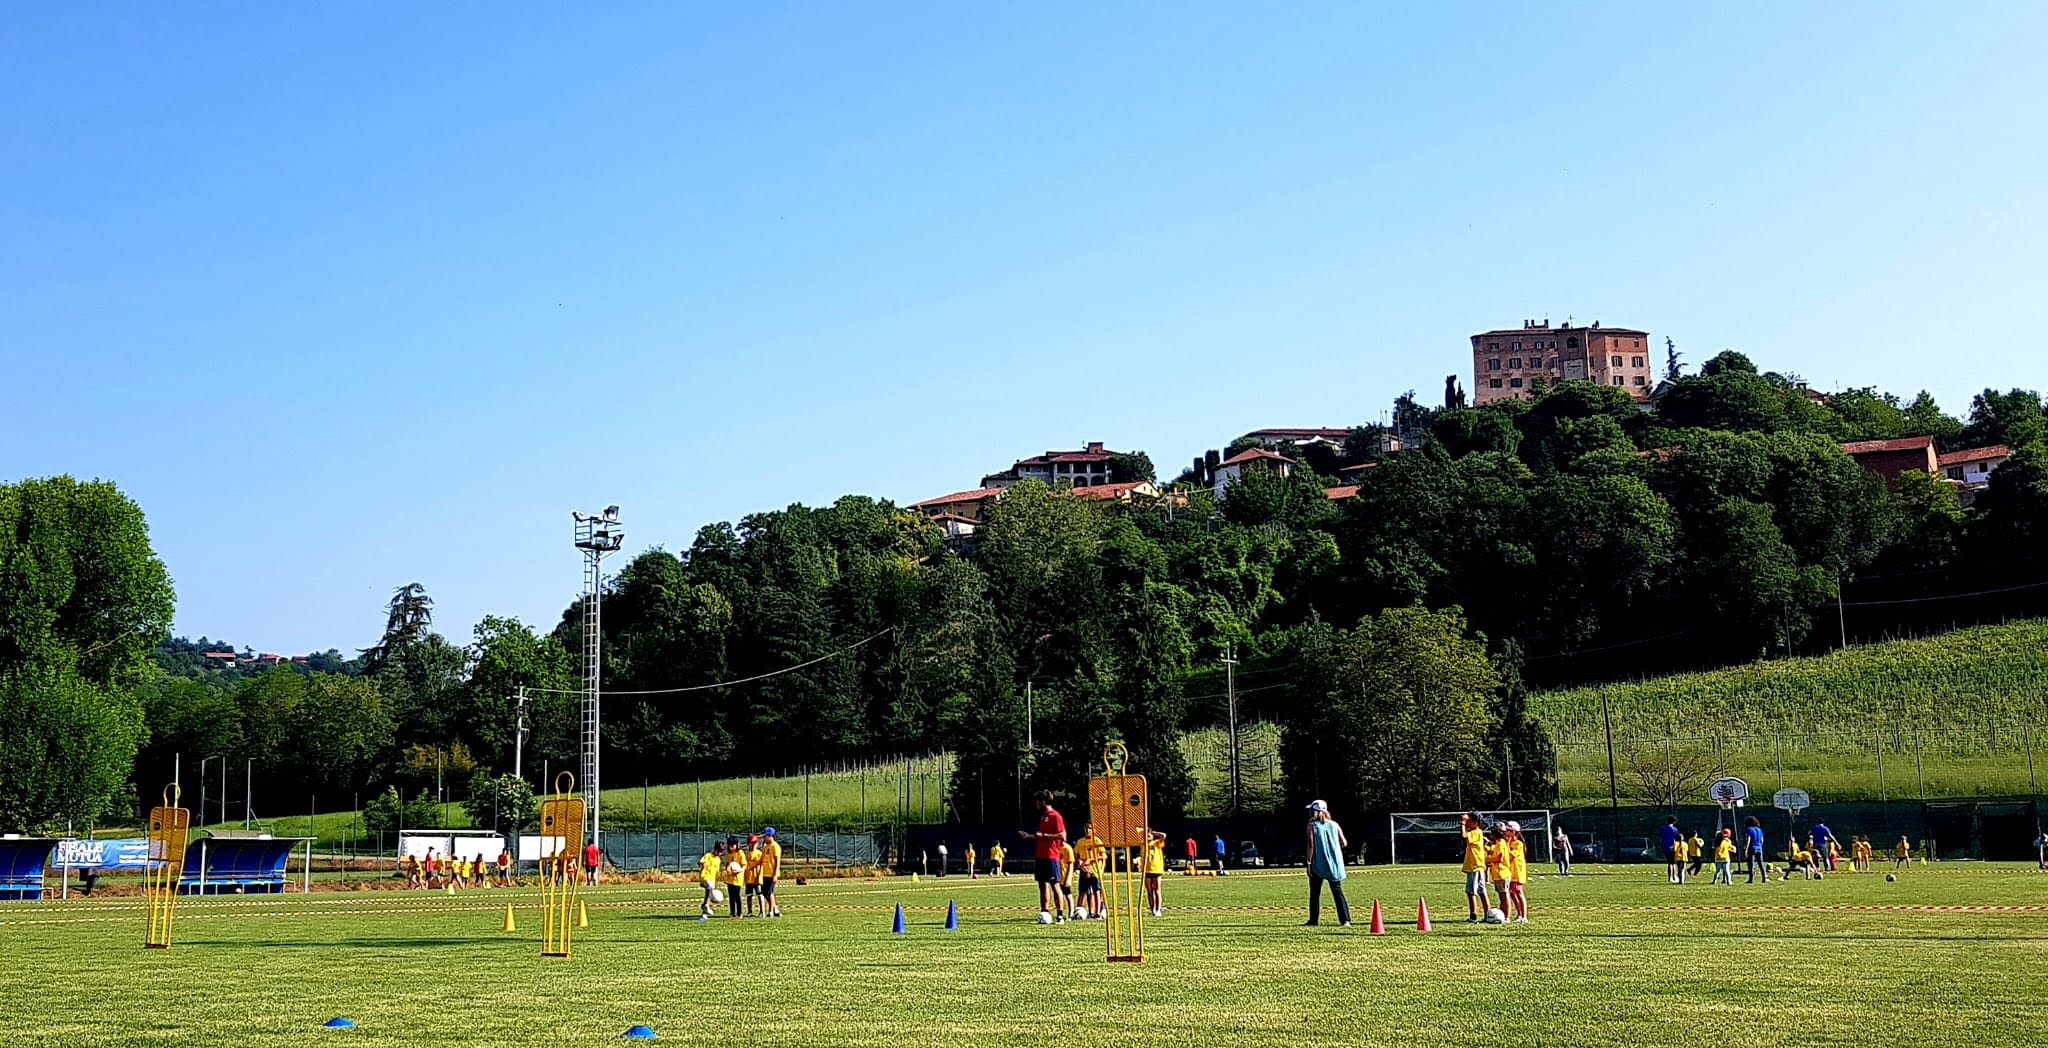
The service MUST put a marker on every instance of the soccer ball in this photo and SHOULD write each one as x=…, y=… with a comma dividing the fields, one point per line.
x=1080, y=914
x=717, y=896
x=733, y=867
x=1818, y=876
x=1496, y=917
x=1890, y=877
x=1044, y=917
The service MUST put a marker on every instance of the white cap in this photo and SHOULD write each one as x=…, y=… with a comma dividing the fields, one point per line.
x=1318, y=806
x=1514, y=827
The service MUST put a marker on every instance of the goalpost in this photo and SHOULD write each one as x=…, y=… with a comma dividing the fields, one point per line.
x=1439, y=830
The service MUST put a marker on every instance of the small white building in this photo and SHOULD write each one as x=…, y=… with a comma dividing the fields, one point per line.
x=1249, y=459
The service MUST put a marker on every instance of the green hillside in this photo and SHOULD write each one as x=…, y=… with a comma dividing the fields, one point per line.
x=1957, y=715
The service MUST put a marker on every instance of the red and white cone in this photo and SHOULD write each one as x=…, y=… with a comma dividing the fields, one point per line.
x=1422, y=915
x=1379, y=923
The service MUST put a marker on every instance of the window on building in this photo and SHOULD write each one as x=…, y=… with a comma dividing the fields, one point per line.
x=1493, y=364
x=1572, y=342
x=1493, y=347
x=1553, y=363
x=1617, y=380
x=1515, y=345
x=1515, y=383
x=1635, y=362
x=1642, y=381
x=1514, y=362
x=1493, y=383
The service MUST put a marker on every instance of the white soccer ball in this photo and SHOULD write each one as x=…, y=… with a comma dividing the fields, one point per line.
x=1890, y=877
x=717, y=896
x=1496, y=917
x=1044, y=917
x=733, y=867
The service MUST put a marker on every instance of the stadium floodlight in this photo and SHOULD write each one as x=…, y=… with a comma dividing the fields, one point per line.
x=597, y=534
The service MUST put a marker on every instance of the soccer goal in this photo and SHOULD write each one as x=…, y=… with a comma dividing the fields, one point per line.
x=1433, y=836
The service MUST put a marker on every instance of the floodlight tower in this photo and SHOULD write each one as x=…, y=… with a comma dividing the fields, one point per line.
x=596, y=535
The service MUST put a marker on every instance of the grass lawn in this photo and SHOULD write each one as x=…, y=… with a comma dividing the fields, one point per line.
x=1616, y=958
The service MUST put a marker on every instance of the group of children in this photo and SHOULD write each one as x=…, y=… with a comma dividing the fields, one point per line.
x=435, y=871
x=1819, y=854
x=742, y=875
x=1495, y=856
x=996, y=855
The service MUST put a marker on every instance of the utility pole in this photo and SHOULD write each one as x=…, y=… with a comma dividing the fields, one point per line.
x=519, y=737
x=1613, y=790
x=1030, y=744
x=1230, y=694
x=248, y=794
x=1841, y=617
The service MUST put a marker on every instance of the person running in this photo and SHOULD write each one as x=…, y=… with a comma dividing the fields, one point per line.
x=1046, y=841
x=1561, y=849
x=996, y=854
x=1474, y=866
x=771, y=869
x=1155, y=871
x=1902, y=854
x=973, y=871
x=1753, y=859
x=1326, y=846
x=1088, y=853
x=709, y=865
x=1518, y=873
x=1219, y=848
x=1724, y=858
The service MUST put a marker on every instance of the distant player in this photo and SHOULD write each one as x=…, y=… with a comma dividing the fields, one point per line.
x=753, y=861
x=1219, y=847
x=973, y=871
x=1561, y=847
x=733, y=875
x=1518, y=873
x=1046, y=841
x=1753, y=859
x=1497, y=865
x=942, y=858
x=1697, y=849
x=1724, y=858
x=592, y=857
x=1681, y=853
x=996, y=854
x=1194, y=850
x=708, y=866
x=1155, y=869
x=1902, y=854
x=771, y=870
x=1474, y=866
x=1088, y=856
x=1066, y=879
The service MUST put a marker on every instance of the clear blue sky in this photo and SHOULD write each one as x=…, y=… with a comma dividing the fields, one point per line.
x=347, y=298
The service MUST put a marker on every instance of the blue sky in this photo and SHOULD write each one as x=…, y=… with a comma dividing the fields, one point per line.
x=351, y=297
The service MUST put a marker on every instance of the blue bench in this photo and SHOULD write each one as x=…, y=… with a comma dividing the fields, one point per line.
x=237, y=865
x=21, y=866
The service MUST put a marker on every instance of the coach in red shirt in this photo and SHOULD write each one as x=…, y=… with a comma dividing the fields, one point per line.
x=1052, y=832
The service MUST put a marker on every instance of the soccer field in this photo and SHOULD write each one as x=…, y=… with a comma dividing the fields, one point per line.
x=1950, y=954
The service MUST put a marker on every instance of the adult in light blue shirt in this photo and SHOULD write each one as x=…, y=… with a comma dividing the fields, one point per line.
x=1326, y=845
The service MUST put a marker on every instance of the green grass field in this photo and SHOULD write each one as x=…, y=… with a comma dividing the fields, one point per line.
x=1612, y=958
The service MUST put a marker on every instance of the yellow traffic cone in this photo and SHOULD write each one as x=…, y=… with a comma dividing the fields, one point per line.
x=913, y=878
x=451, y=887
x=582, y=915
x=510, y=924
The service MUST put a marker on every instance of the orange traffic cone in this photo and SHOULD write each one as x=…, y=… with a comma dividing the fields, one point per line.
x=1379, y=923
x=1422, y=915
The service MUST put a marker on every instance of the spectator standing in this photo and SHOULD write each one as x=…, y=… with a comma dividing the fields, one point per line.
x=1561, y=847
x=1326, y=845
x=1753, y=851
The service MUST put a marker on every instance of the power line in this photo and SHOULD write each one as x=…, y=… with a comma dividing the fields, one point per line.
x=743, y=680
x=1944, y=596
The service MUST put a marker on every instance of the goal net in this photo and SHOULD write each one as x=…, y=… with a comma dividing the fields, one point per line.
x=1433, y=836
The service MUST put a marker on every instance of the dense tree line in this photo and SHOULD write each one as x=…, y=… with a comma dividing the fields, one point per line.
x=1570, y=537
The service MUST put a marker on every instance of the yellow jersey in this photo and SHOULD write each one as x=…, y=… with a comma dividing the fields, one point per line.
x=1088, y=852
x=753, y=865
x=1475, y=850
x=730, y=875
x=1518, y=862
x=707, y=868
x=1680, y=851
x=771, y=859
x=1497, y=861
x=995, y=854
x=1903, y=850
x=1066, y=862
x=1724, y=851
x=1155, y=856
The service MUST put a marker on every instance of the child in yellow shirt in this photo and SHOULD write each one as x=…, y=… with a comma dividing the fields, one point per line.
x=973, y=871
x=1518, y=872
x=995, y=859
x=1724, y=858
x=1497, y=864
x=1681, y=853
x=709, y=865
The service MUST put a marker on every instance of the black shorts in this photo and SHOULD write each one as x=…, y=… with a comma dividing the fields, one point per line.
x=768, y=886
x=1090, y=882
x=1047, y=871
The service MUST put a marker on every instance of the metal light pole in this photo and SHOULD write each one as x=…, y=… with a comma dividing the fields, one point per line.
x=1230, y=694
x=596, y=535
x=519, y=738
x=202, y=785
